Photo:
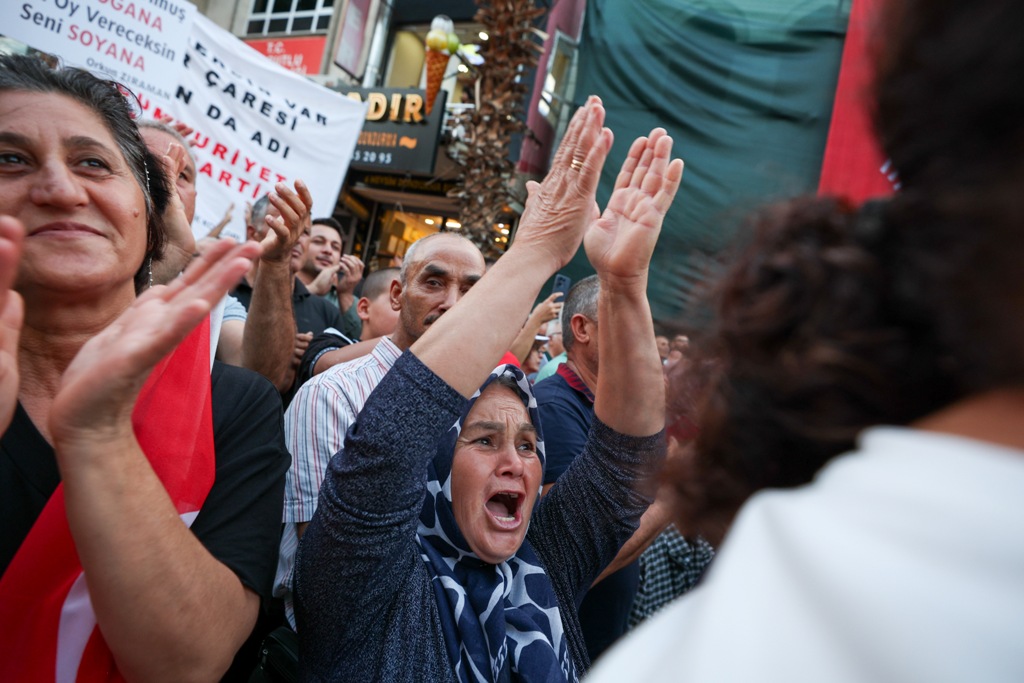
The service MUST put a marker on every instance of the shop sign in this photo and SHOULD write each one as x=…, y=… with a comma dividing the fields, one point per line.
x=300, y=55
x=398, y=136
x=400, y=183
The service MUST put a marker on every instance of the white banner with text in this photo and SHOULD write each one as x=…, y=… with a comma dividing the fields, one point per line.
x=256, y=123
x=140, y=44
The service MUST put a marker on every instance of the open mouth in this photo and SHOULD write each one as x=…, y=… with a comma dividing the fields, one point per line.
x=505, y=508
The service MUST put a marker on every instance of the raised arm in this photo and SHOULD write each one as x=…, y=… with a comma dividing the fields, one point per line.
x=599, y=500
x=630, y=396
x=654, y=521
x=557, y=212
x=546, y=310
x=167, y=608
x=216, y=230
x=269, y=339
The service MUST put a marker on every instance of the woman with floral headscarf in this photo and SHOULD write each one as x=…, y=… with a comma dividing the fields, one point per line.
x=431, y=556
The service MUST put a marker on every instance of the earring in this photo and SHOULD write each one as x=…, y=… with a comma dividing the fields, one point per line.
x=149, y=268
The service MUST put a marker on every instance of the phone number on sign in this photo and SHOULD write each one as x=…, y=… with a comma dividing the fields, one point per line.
x=369, y=157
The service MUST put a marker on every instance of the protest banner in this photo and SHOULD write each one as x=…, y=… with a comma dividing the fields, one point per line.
x=256, y=123
x=140, y=44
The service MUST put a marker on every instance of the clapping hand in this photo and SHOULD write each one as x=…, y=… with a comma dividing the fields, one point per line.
x=621, y=242
x=286, y=229
x=98, y=390
x=12, y=310
x=559, y=209
x=321, y=284
x=350, y=273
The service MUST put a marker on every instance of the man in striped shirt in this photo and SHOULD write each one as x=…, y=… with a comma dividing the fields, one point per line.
x=437, y=271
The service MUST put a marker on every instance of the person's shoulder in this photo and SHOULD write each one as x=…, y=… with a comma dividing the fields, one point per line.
x=554, y=389
x=550, y=385
x=246, y=410
x=334, y=336
x=234, y=384
x=652, y=651
x=343, y=376
x=242, y=396
x=326, y=313
x=233, y=309
x=326, y=305
x=551, y=367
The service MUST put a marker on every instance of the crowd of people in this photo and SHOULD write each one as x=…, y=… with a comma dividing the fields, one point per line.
x=257, y=461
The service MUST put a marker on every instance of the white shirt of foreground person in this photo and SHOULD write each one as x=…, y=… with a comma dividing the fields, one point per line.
x=902, y=561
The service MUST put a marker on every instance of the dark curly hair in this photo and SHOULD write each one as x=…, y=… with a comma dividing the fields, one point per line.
x=817, y=336
x=833, y=319
x=109, y=101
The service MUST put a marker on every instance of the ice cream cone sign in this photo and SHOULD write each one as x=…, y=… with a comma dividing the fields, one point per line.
x=442, y=43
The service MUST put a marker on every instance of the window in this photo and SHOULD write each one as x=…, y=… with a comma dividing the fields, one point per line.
x=558, y=87
x=289, y=16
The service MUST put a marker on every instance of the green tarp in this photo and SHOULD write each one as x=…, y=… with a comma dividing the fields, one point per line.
x=744, y=87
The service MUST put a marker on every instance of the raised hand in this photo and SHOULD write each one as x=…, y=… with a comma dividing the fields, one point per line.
x=547, y=310
x=321, y=284
x=621, y=242
x=559, y=209
x=184, y=130
x=302, y=340
x=216, y=230
x=12, y=309
x=556, y=215
x=349, y=274
x=286, y=229
x=98, y=390
x=181, y=245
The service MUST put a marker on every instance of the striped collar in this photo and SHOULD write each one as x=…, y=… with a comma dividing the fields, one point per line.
x=574, y=381
x=385, y=352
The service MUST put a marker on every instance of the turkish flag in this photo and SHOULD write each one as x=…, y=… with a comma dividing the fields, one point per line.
x=854, y=165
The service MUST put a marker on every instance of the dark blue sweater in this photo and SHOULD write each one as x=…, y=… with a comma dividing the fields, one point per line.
x=366, y=610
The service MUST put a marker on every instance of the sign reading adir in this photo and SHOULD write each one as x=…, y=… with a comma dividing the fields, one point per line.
x=398, y=136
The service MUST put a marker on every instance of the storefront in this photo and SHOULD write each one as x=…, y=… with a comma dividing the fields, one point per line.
x=401, y=175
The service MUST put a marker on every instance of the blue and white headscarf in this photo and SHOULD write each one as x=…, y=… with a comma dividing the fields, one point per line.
x=500, y=622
